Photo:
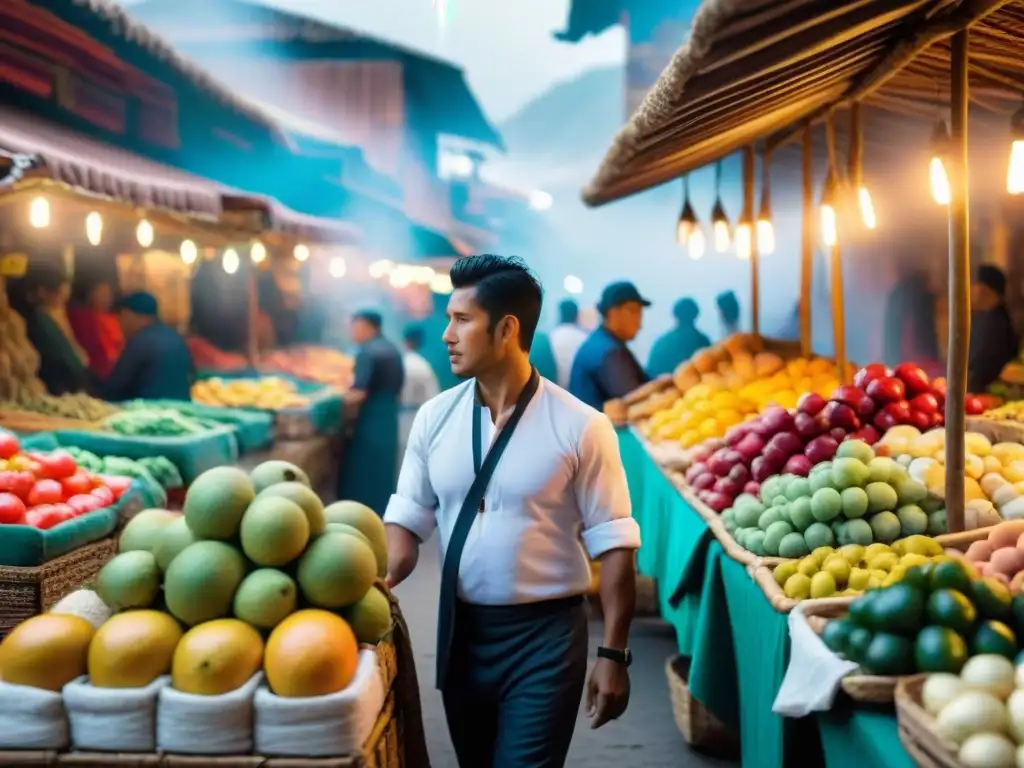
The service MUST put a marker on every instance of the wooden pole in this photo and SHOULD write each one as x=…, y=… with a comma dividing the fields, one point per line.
x=750, y=217
x=252, y=340
x=807, y=246
x=836, y=258
x=959, y=282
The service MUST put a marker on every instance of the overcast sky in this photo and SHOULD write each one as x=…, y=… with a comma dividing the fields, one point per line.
x=506, y=46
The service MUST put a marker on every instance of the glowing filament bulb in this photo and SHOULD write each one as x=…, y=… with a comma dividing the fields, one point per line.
x=744, y=237
x=867, y=208
x=684, y=229
x=765, y=237
x=230, y=261
x=189, y=252
x=829, y=233
x=939, y=181
x=722, y=236
x=94, y=228
x=39, y=213
x=144, y=233
x=258, y=252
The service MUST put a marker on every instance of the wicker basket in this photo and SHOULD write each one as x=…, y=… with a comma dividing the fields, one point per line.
x=699, y=727
x=26, y=592
x=917, y=731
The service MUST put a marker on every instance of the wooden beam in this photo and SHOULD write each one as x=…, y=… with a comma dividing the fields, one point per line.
x=750, y=216
x=959, y=283
x=807, y=243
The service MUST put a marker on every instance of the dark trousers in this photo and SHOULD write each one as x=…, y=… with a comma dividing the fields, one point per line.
x=514, y=684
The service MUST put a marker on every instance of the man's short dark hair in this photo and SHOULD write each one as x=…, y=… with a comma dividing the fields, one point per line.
x=413, y=335
x=370, y=317
x=568, y=311
x=504, y=286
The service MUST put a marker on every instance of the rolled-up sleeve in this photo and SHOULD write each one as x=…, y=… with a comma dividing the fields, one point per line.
x=414, y=503
x=602, y=492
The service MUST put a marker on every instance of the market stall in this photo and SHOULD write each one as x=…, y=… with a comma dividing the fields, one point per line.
x=843, y=524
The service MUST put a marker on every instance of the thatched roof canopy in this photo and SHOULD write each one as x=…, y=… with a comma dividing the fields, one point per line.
x=754, y=70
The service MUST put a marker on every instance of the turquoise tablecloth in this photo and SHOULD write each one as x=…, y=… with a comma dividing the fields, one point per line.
x=861, y=737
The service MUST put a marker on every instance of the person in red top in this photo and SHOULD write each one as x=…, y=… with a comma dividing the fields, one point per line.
x=95, y=327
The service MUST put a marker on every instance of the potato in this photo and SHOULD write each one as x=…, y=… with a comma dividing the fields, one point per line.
x=979, y=552
x=1008, y=561
x=1006, y=534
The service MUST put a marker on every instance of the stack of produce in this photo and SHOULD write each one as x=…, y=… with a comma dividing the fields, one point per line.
x=46, y=489
x=994, y=474
x=1012, y=411
x=857, y=498
x=320, y=364
x=19, y=360
x=157, y=468
x=269, y=393
x=1000, y=554
x=853, y=569
x=936, y=618
x=77, y=406
x=194, y=594
x=208, y=357
x=980, y=711
x=158, y=422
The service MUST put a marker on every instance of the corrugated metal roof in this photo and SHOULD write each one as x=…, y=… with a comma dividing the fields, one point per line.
x=753, y=69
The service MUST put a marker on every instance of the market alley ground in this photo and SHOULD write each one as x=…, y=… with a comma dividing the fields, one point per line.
x=645, y=737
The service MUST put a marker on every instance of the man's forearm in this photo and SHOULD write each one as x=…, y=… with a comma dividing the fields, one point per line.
x=403, y=552
x=618, y=595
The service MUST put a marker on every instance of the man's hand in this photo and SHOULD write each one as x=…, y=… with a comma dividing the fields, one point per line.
x=403, y=554
x=607, y=692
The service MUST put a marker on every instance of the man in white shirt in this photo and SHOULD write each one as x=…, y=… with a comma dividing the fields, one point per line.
x=566, y=339
x=507, y=467
x=420, y=382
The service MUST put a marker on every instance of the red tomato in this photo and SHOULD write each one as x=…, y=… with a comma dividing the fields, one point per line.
x=104, y=494
x=12, y=509
x=43, y=517
x=56, y=465
x=77, y=484
x=84, y=503
x=116, y=484
x=9, y=445
x=45, y=492
x=64, y=512
x=19, y=483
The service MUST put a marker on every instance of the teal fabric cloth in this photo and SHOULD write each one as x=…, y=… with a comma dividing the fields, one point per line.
x=542, y=357
x=861, y=736
x=370, y=459
x=674, y=347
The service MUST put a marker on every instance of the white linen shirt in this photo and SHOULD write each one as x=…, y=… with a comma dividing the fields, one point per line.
x=420, y=381
x=566, y=339
x=560, y=471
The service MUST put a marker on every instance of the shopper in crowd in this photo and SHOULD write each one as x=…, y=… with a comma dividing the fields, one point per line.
x=156, y=363
x=95, y=326
x=994, y=341
x=729, y=312
x=604, y=367
x=566, y=339
x=512, y=631
x=420, y=382
x=63, y=364
x=370, y=457
x=909, y=327
x=680, y=343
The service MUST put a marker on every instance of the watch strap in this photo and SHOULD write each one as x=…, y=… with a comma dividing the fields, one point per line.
x=623, y=657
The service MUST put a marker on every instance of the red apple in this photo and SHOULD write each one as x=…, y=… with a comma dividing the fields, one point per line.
x=727, y=486
x=914, y=377
x=866, y=407
x=811, y=404
x=869, y=373
x=973, y=405
x=849, y=395
x=717, y=501
x=753, y=488
x=887, y=389
x=740, y=475
x=696, y=469
x=920, y=419
x=838, y=434
x=839, y=414
x=798, y=464
x=900, y=410
x=776, y=419
x=938, y=419
x=806, y=425
x=884, y=421
x=782, y=446
x=718, y=464
x=867, y=433
x=925, y=402
x=704, y=482
x=821, y=449
x=761, y=469
x=750, y=447
x=735, y=434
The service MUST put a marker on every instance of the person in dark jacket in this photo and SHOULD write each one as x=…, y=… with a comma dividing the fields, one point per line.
x=156, y=363
x=63, y=365
x=604, y=368
x=679, y=344
x=729, y=311
x=994, y=342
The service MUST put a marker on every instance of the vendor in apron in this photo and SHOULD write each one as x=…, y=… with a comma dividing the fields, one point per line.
x=369, y=461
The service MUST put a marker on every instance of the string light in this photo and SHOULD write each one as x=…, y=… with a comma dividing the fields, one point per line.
x=744, y=240
x=230, y=262
x=94, y=228
x=300, y=252
x=188, y=251
x=764, y=228
x=697, y=244
x=144, y=233
x=258, y=253
x=39, y=213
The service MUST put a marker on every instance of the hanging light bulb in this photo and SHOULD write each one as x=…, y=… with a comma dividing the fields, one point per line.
x=1015, y=173
x=230, y=262
x=258, y=253
x=744, y=240
x=697, y=244
x=829, y=220
x=336, y=266
x=300, y=252
x=39, y=213
x=722, y=230
x=765, y=230
x=867, y=208
x=94, y=228
x=855, y=172
x=687, y=217
x=938, y=178
x=144, y=233
x=189, y=252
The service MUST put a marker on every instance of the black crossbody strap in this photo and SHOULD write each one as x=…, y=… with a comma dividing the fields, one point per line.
x=467, y=514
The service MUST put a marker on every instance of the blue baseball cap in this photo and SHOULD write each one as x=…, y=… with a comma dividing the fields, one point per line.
x=141, y=303
x=616, y=294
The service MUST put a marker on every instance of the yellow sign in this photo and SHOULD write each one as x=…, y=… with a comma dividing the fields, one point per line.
x=13, y=264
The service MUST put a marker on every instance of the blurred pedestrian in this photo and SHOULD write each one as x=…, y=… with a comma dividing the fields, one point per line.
x=680, y=343
x=994, y=341
x=566, y=339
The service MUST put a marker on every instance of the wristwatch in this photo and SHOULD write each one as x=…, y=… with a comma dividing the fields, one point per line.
x=623, y=657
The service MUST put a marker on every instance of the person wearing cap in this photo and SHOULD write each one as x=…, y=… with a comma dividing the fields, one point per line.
x=156, y=363
x=604, y=368
x=369, y=463
x=994, y=341
x=729, y=312
x=679, y=344
x=566, y=339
